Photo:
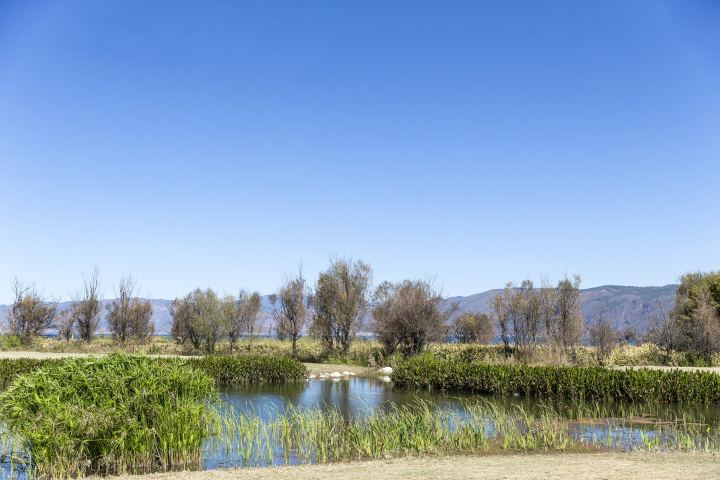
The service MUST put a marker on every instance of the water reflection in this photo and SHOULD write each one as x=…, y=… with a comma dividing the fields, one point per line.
x=351, y=396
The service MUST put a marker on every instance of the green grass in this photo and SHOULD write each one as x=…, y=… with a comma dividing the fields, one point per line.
x=588, y=383
x=301, y=435
x=225, y=370
x=108, y=415
x=304, y=435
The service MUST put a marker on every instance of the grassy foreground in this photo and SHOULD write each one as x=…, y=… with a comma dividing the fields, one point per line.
x=107, y=414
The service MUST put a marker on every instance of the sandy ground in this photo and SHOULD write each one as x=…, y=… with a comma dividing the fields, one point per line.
x=641, y=466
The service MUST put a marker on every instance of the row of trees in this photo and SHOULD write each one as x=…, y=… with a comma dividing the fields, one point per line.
x=202, y=318
x=32, y=313
x=527, y=316
x=405, y=316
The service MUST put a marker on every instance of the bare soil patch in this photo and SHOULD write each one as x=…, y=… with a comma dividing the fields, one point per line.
x=641, y=466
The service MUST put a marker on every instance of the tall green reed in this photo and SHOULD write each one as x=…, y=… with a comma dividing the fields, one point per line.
x=108, y=414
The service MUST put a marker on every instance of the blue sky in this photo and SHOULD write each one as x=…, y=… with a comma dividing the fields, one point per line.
x=221, y=144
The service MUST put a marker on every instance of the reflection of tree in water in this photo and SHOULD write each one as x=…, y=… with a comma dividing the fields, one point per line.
x=351, y=396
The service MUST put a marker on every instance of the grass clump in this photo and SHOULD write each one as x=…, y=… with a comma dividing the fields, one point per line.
x=225, y=370
x=642, y=385
x=109, y=414
x=239, y=370
x=292, y=435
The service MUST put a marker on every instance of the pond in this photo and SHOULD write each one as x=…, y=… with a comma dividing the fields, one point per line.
x=355, y=394
x=368, y=417
x=518, y=423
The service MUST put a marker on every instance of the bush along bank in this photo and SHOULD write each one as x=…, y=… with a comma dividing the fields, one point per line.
x=225, y=370
x=239, y=370
x=587, y=383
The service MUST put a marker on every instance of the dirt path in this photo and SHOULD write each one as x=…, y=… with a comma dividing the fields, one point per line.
x=641, y=466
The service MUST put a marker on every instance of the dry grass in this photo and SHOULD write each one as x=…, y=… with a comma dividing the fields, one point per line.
x=368, y=352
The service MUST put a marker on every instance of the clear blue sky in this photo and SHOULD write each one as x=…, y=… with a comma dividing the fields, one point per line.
x=220, y=144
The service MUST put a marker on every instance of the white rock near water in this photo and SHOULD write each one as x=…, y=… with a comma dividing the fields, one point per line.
x=332, y=375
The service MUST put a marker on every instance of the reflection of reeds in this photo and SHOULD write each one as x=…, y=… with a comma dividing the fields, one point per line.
x=300, y=435
x=290, y=435
x=293, y=434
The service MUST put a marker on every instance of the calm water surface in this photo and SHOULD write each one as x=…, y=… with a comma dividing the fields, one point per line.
x=351, y=396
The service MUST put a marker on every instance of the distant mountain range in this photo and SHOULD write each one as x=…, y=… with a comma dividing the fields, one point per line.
x=625, y=306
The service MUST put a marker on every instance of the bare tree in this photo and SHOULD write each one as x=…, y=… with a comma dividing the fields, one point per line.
x=410, y=315
x=602, y=336
x=247, y=319
x=627, y=336
x=31, y=313
x=66, y=325
x=704, y=326
x=184, y=327
x=570, y=322
x=142, y=326
x=341, y=302
x=503, y=305
x=290, y=308
x=548, y=300
x=665, y=329
x=472, y=327
x=519, y=313
x=86, y=308
x=528, y=321
x=129, y=316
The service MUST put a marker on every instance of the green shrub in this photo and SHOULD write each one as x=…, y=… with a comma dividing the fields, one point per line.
x=225, y=370
x=109, y=414
x=11, y=341
x=642, y=385
x=239, y=370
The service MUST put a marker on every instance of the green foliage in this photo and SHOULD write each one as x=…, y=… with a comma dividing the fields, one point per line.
x=225, y=370
x=296, y=434
x=238, y=370
x=588, y=383
x=109, y=414
x=12, y=341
